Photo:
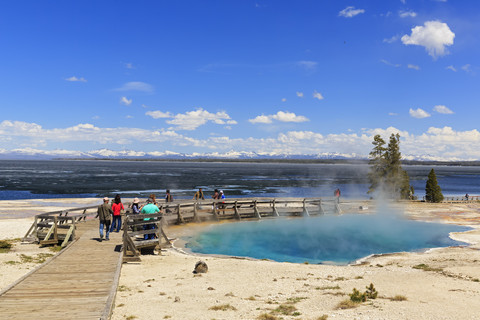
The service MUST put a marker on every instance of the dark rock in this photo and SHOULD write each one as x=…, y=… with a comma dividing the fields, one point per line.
x=200, y=267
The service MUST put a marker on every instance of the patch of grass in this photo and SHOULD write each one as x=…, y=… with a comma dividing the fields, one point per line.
x=5, y=246
x=251, y=298
x=476, y=280
x=398, y=297
x=55, y=248
x=149, y=280
x=120, y=305
x=340, y=279
x=12, y=262
x=230, y=294
x=40, y=258
x=167, y=317
x=358, y=277
x=285, y=309
x=323, y=317
x=223, y=307
x=426, y=267
x=161, y=293
x=337, y=287
x=130, y=317
x=267, y=316
x=346, y=304
x=123, y=288
x=295, y=300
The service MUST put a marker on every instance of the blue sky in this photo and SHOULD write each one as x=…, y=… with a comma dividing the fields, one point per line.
x=217, y=77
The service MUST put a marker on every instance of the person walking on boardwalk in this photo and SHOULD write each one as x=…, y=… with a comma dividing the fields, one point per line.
x=104, y=213
x=149, y=208
x=336, y=193
x=168, y=198
x=199, y=195
x=117, y=208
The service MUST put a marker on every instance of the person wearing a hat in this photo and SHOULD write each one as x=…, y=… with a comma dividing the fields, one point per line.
x=104, y=213
x=135, y=207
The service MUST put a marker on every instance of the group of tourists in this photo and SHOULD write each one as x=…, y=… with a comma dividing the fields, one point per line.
x=110, y=214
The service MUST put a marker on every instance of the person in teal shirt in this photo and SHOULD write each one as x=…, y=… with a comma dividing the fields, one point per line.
x=149, y=208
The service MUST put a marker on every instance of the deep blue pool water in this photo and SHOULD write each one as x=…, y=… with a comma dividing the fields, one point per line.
x=325, y=239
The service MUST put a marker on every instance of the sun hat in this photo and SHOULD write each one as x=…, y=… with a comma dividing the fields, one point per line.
x=136, y=200
x=105, y=199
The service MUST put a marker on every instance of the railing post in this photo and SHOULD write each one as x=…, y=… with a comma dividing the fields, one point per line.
x=255, y=210
x=179, y=214
x=196, y=218
x=236, y=211
x=320, y=208
x=305, y=211
x=274, y=208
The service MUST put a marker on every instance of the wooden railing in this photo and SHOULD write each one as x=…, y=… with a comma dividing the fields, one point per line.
x=57, y=226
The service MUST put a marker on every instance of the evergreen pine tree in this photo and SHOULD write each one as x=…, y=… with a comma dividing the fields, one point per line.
x=394, y=175
x=433, y=192
x=377, y=164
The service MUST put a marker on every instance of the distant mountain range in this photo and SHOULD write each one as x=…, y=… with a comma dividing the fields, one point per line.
x=36, y=154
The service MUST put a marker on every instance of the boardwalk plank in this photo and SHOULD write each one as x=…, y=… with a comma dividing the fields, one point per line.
x=77, y=284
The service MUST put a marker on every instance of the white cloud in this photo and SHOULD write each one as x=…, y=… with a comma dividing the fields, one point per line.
x=75, y=79
x=437, y=143
x=419, y=113
x=442, y=109
x=299, y=94
x=407, y=14
x=350, y=12
x=282, y=116
x=317, y=95
x=261, y=119
x=412, y=66
x=451, y=68
x=467, y=68
x=403, y=1
x=388, y=63
x=434, y=36
x=390, y=40
x=284, y=99
x=136, y=86
x=126, y=101
x=129, y=66
x=158, y=114
x=191, y=120
x=393, y=114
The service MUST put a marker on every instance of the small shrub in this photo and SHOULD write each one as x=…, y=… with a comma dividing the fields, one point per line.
x=55, y=248
x=323, y=317
x=285, y=309
x=222, y=307
x=371, y=292
x=357, y=297
x=346, y=304
x=5, y=246
x=398, y=298
x=426, y=267
x=123, y=288
x=267, y=316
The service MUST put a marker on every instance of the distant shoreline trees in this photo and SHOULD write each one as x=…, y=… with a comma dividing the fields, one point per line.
x=386, y=173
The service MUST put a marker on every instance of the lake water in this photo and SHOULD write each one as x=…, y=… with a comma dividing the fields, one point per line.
x=60, y=179
x=324, y=239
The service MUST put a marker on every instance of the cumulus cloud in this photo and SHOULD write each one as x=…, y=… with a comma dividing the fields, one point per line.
x=436, y=143
x=136, y=86
x=419, y=113
x=75, y=79
x=412, y=66
x=299, y=94
x=407, y=14
x=467, y=68
x=158, y=114
x=317, y=95
x=350, y=12
x=126, y=101
x=191, y=120
x=282, y=116
x=435, y=36
x=442, y=109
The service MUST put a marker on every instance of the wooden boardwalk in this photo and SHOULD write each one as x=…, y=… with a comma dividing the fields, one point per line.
x=79, y=283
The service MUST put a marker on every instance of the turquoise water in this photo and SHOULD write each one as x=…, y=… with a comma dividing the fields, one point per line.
x=324, y=239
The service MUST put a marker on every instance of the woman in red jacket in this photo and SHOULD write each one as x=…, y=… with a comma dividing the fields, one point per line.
x=117, y=207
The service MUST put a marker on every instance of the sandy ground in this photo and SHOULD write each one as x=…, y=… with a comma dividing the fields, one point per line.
x=438, y=284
